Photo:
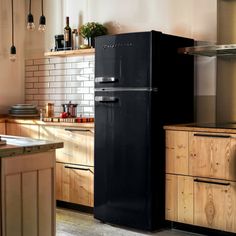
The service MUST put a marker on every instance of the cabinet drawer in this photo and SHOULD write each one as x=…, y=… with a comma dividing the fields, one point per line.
x=215, y=204
x=78, y=146
x=75, y=184
x=24, y=130
x=2, y=128
x=212, y=155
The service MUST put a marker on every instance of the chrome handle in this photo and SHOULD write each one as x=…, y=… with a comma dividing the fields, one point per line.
x=212, y=135
x=211, y=182
x=74, y=130
x=105, y=80
x=106, y=99
x=78, y=168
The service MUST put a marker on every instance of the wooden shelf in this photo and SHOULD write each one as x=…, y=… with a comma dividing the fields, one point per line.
x=67, y=53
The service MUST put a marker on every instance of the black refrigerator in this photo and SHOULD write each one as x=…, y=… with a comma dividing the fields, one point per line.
x=141, y=84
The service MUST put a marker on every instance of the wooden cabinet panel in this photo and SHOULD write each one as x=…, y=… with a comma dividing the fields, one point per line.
x=2, y=128
x=24, y=130
x=177, y=152
x=212, y=155
x=75, y=184
x=215, y=204
x=28, y=198
x=62, y=182
x=179, y=198
x=78, y=146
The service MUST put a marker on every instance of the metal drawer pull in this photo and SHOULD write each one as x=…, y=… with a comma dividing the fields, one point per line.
x=105, y=80
x=105, y=99
x=74, y=130
x=212, y=135
x=211, y=182
x=79, y=168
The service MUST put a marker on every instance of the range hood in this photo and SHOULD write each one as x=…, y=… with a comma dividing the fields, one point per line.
x=210, y=50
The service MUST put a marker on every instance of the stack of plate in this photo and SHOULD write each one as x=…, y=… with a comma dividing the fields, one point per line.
x=23, y=110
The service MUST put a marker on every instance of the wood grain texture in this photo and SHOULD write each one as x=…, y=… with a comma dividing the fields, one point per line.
x=212, y=156
x=215, y=206
x=177, y=152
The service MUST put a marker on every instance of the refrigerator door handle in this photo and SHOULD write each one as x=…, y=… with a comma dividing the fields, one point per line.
x=105, y=80
x=106, y=99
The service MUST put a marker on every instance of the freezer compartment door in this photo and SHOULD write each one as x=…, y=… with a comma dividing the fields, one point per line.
x=123, y=60
x=122, y=158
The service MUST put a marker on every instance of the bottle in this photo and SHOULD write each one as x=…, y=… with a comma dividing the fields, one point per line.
x=75, y=39
x=67, y=35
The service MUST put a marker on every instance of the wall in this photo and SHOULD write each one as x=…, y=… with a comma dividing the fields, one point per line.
x=12, y=73
x=226, y=67
x=60, y=80
x=183, y=17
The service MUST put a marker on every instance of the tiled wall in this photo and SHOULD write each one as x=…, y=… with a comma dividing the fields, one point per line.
x=60, y=80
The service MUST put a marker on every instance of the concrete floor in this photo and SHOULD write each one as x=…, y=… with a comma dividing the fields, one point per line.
x=74, y=223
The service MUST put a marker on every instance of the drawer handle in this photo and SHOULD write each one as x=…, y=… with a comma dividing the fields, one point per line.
x=79, y=168
x=211, y=182
x=212, y=135
x=74, y=130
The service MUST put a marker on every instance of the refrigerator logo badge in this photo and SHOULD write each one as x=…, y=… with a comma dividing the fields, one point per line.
x=117, y=45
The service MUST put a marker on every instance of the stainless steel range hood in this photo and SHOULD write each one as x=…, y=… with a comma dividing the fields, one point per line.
x=210, y=50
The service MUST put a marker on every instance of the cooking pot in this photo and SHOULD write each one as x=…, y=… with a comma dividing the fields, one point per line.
x=70, y=109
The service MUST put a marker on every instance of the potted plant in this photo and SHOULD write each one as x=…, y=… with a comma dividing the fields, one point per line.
x=91, y=30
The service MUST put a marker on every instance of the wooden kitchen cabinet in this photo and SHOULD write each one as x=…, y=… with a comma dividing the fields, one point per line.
x=201, y=177
x=75, y=184
x=212, y=155
x=25, y=130
x=2, y=128
x=75, y=163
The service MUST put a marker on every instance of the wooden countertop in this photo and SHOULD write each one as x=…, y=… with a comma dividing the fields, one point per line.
x=39, y=122
x=21, y=145
x=210, y=127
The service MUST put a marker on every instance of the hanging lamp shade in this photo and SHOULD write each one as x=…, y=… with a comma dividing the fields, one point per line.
x=13, y=48
x=30, y=19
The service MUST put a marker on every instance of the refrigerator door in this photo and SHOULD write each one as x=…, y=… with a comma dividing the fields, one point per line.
x=123, y=158
x=123, y=60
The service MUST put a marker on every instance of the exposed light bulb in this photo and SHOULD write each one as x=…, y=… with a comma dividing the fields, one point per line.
x=30, y=24
x=42, y=23
x=12, y=56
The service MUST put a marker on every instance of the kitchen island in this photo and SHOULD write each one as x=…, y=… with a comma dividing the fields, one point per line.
x=27, y=182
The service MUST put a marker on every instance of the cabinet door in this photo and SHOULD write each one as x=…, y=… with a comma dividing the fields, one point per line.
x=176, y=152
x=74, y=183
x=215, y=204
x=179, y=198
x=25, y=130
x=78, y=145
x=62, y=182
x=2, y=128
x=212, y=155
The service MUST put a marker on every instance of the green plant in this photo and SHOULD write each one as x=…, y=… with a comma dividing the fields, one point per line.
x=92, y=29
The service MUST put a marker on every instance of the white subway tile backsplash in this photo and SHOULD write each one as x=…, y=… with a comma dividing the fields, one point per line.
x=60, y=80
x=47, y=67
x=57, y=72
x=41, y=73
x=63, y=66
x=57, y=60
x=80, y=65
x=75, y=59
x=75, y=71
x=41, y=61
x=31, y=68
x=29, y=62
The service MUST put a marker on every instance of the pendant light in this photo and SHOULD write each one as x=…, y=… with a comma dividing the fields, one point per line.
x=30, y=24
x=13, y=48
x=42, y=20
